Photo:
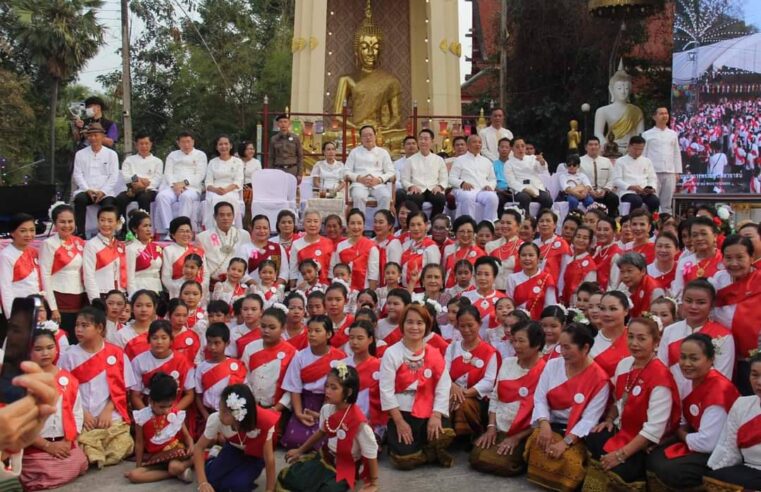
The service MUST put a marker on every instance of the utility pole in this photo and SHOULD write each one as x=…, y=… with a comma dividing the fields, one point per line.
x=503, y=35
x=126, y=80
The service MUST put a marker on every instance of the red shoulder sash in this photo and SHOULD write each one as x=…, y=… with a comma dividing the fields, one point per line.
x=111, y=360
x=253, y=442
x=749, y=434
x=282, y=351
x=242, y=342
x=137, y=346
x=341, y=333
x=475, y=368
x=27, y=264
x=369, y=377
x=609, y=358
x=357, y=257
x=144, y=259
x=345, y=425
x=231, y=368
x=711, y=328
x=427, y=377
x=320, y=367
x=510, y=390
x=532, y=292
x=300, y=341
x=68, y=387
x=180, y=262
x=64, y=256
x=319, y=251
x=577, y=392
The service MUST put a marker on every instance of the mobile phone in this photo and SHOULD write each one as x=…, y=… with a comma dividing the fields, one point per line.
x=18, y=345
x=526, y=181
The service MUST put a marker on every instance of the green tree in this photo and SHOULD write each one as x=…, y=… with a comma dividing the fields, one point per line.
x=15, y=139
x=60, y=36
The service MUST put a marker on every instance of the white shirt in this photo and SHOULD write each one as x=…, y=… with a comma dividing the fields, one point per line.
x=292, y=381
x=147, y=362
x=248, y=249
x=662, y=148
x=249, y=169
x=9, y=290
x=211, y=395
x=214, y=427
x=425, y=172
x=485, y=385
x=726, y=453
x=602, y=178
x=399, y=166
x=658, y=405
x=67, y=280
x=225, y=173
x=633, y=172
x=517, y=171
x=330, y=175
x=515, y=279
x=568, y=180
x=364, y=445
x=214, y=241
x=373, y=258
x=476, y=170
x=95, y=171
x=149, y=167
x=506, y=412
x=374, y=162
x=393, y=358
x=553, y=376
x=53, y=426
x=95, y=393
x=490, y=137
x=181, y=166
x=100, y=280
x=263, y=380
x=393, y=249
x=149, y=278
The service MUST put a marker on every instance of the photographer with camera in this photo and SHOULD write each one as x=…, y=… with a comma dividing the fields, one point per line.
x=93, y=113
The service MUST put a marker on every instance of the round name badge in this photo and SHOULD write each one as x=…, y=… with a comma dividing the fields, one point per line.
x=578, y=398
x=175, y=374
x=341, y=434
x=234, y=366
x=537, y=289
x=556, y=245
x=523, y=392
x=346, y=330
x=63, y=381
x=318, y=253
x=585, y=263
x=188, y=342
x=428, y=373
x=281, y=355
x=478, y=363
x=636, y=390
x=484, y=304
x=694, y=410
x=111, y=360
x=376, y=376
x=472, y=254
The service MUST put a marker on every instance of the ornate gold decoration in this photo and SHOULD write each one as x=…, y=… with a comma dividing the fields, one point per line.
x=444, y=45
x=456, y=49
x=313, y=42
x=298, y=44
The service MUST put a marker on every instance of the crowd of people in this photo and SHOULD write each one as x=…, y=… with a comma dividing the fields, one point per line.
x=604, y=352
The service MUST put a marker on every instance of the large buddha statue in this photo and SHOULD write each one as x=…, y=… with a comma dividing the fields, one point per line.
x=372, y=93
x=619, y=120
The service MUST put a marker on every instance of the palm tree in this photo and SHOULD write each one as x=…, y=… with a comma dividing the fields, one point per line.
x=61, y=36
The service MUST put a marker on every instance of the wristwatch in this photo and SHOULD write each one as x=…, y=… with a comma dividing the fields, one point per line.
x=568, y=440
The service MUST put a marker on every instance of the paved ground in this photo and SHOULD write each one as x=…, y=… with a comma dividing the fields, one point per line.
x=460, y=478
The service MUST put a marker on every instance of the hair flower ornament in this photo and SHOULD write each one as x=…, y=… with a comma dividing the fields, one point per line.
x=435, y=305
x=280, y=306
x=48, y=325
x=237, y=406
x=53, y=207
x=343, y=370
x=653, y=317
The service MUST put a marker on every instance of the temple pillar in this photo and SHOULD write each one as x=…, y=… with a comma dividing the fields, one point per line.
x=308, y=47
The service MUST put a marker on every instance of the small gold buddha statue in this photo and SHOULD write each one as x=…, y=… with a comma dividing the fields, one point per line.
x=373, y=94
x=574, y=137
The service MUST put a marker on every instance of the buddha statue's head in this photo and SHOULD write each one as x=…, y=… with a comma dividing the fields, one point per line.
x=620, y=86
x=367, y=41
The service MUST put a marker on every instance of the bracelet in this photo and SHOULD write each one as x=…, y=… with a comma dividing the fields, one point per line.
x=491, y=425
x=621, y=456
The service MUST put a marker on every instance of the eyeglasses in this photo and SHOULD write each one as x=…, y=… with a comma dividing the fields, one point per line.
x=439, y=228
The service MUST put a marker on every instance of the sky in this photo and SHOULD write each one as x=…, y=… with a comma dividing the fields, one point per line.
x=108, y=60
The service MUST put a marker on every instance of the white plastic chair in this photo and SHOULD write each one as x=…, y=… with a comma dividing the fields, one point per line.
x=273, y=190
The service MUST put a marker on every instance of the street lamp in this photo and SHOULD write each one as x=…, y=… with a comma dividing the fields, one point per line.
x=586, y=108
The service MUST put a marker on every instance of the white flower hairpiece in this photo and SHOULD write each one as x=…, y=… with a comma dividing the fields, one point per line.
x=579, y=317
x=562, y=308
x=237, y=406
x=653, y=317
x=280, y=306
x=120, y=223
x=516, y=208
x=53, y=207
x=724, y=211
x=343, y=370
x=672, y=301
x=342, y=282
x=436, y=306
x=48, y=325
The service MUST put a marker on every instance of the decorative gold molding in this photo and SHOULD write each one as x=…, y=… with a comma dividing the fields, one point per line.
x=456, y=49
x=313, y=42
x=298, y=44
x=443, y=45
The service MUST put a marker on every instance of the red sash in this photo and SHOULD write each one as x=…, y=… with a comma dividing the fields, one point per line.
x=180, y=262
x=707, y=267
x=369, y=380
x=187, y=344
x=266, y=420
x=575, y=273
x=444, y=245
x=634, y=413
x=577, y=392
x=412, y=257
x=271, y=252
x=486, y=307
x=242, y=342
x=69, y=393
x=266, y=355
x=341, y=333
x=427, y=377
x=711, y=328
x=345, y=425
x=137, y=346
x=319, y=251
x=745, y=295
x=301, y=340
x=109, y=254
x=609, y=358
x=394, y=336
x=510, y=248
x=664, y=281
x=320, y=367
x=647, y=250
x=357, y=257
x=193, y=317
x=154, y=426
x=144, y=259
x=510, y=390
x=552, y=254
x=27, y=264
x=749, y=434
x=603, y=258
x=231, y=368
x=437, y=341
x=63, y=256
x=714, y=390
x=526, y=293
x=483, y=352
x=552, y=354
x=177, y=367
x=59, y=335
x=101, y=361
x=643, y=296
x=471, y=253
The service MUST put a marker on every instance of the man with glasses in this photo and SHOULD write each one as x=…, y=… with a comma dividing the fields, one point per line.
x=575, y=184
x=425, y=177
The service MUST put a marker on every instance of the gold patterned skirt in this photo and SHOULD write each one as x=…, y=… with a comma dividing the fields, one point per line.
x=563, y=474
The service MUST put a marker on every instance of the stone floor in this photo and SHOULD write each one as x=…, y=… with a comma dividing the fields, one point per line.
x=458, y=478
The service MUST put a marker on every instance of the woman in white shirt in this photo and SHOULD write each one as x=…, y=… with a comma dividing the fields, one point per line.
x=61, y=268
x=328, y=174
x=19, y=267
x=144, y=256
x=224, y=181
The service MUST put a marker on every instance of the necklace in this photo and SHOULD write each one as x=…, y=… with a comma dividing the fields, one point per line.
x=508, y=249
x=414, y=361
x=327, y=422
x=629, y=383
x=703, y=264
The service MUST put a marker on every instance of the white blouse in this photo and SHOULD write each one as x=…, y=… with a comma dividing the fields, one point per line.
x=53, y=427
x=225, y=173
x=330, y=175
x=263, y=379
x=9, y=290
x=554, y=375
x=726, y=453
x=506, y=412
x=373, y=270
x=393, y=248
x=211, y=396
x=214, y=427
x=100, y=280
x=364, y=445
x=150, y=278
x=516, y=279
x=147, y=362
x=485, y=386
x=292, y=381
x=67, y=280
x=393, y=358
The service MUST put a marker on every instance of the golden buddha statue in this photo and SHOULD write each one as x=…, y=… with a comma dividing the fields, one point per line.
x=619, y=119
x=574, y=137
x=372, y=93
